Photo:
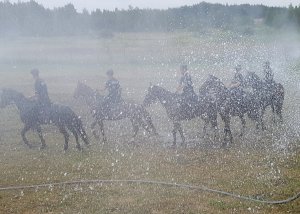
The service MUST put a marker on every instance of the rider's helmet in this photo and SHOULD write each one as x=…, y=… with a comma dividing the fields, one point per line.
x=183, y=68
x=110, y=73
x=35, y=72
x=266, y=64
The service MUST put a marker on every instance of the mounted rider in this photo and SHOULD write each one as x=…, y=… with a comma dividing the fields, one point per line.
x=41, y=96
x=189, y=97
x=237, y=83
x=113, y=87
x=268, y=75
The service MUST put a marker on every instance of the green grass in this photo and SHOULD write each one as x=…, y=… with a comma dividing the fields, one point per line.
x=253, y=166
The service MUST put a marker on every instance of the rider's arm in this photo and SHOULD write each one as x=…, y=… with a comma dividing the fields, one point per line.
x=104, y=88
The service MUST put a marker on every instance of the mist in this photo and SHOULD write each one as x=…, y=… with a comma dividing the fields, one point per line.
x=129, y=110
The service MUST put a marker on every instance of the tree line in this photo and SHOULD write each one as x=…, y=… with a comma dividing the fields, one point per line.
x=32, y=19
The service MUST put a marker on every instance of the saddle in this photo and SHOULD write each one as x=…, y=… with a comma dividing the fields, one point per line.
x=44, y=112
x=188, y=103
x=112, y=109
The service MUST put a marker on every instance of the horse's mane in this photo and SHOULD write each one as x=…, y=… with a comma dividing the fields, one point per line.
x=209, y=81
x=253, y=75
x=161, y=89
x=89, y=89
x=81, y=84
x=213, y=77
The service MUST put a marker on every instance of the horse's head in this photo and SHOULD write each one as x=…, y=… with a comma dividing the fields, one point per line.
x=151, y=96
x=79, y=91
x=212, y=83
x=7, y=97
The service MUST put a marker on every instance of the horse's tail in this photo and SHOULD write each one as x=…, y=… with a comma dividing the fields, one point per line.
x=80, y=129
x=280, y=91
x=279, y=99
x=149, y=123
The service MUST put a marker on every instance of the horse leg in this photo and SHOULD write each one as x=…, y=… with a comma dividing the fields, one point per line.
x=146, y=126
x=135, y=128
x=76, y=137
x=93, y=125
x=279, y=113
x=273, y=112
x=180, y=130
x=174, y=131
x=261, y=120
x=227, y=130
x=63, y=130
x=243, y=125
x=152, y=127
x=206, y=122
x=101, y=125
x=278, y=108
x=23, y=134
x=39, y=130
x=84, y=136
x=214, y=124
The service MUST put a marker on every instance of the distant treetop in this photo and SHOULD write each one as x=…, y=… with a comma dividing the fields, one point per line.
x=32, y=19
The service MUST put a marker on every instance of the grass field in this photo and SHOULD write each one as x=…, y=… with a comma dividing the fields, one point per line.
x=261, y=165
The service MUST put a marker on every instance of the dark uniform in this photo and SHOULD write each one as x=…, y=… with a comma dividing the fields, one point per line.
x=269, y=75
x=114, y=94
x=189, y=97
x=41, y=92
x=186, y=82
x=237, y=91
x=44, y=103
x=269, y=78
x=238, y=79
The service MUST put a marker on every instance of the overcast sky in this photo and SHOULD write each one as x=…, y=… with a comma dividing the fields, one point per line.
x=112, y=4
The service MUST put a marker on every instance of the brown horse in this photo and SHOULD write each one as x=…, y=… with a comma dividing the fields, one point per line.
x=177, y=112
x=231, y=104
x=137, y=114
x=61, y=116
x=271, y=94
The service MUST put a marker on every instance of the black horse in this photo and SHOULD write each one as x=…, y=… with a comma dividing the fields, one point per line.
x=269, y=94
x=137, y=114
x=177, y=112
x=61, y=116
x=231, y=104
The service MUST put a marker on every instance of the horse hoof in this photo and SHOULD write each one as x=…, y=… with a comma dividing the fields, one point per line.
x=87, y=142
x=224, y=145
x=43, y=147
x=79, y=148
x=183, y=145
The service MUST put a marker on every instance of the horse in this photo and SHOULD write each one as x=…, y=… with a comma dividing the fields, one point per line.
x=269, y=94
x=137, y=114
x=230, y=104
x=61, y=116
x=177, y=112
